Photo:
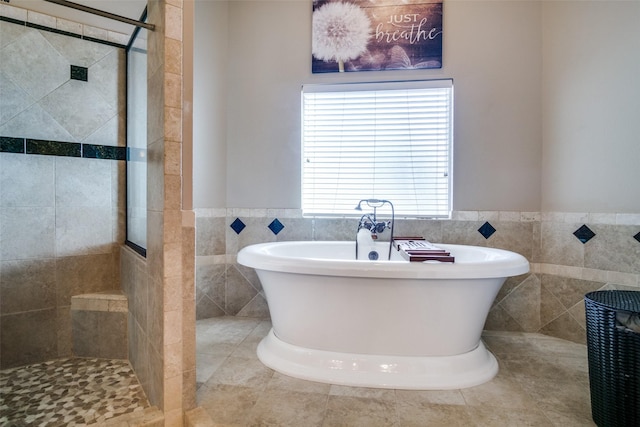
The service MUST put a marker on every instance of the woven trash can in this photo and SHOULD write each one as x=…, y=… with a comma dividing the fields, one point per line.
x=613, y=347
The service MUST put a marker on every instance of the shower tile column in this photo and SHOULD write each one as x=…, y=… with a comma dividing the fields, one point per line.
x=169, y=228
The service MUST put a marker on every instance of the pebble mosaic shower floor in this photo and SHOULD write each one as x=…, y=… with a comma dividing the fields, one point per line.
x=69, y=392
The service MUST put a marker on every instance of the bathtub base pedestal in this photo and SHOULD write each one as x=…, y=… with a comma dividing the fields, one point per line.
x=378, y=371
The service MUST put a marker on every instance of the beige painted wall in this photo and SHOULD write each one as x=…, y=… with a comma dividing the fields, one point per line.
x=491, y=49
x=210, y=63
x=546, y=103
x=591, y=106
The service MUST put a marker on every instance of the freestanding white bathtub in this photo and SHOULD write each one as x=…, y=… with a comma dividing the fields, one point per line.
x=384, y=324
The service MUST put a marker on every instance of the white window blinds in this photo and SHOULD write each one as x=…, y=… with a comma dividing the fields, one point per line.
x=388, y=141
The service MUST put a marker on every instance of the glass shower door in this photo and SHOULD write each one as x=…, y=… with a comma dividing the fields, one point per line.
x=137, y=141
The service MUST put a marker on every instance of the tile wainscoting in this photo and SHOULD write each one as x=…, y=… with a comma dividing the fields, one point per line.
x=564, y=263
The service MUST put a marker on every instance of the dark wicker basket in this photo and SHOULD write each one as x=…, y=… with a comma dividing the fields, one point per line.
x=614, y=359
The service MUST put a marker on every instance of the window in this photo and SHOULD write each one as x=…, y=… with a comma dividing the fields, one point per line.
x=388, y=141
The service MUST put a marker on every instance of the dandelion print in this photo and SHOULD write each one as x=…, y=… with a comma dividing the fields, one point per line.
x=341, y=32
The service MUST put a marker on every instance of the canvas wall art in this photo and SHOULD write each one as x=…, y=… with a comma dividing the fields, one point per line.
x=367, y=35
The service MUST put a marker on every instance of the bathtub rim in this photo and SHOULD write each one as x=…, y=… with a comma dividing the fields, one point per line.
x=502, y=263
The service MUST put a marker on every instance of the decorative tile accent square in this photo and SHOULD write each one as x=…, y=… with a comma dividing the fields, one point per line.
x=486, y=230
x=276, y=226
x=237, y=225
x=584, y=234
x=637, y=236
x=79, y=73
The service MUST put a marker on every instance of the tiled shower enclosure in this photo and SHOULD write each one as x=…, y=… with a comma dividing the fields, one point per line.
x=62, y=177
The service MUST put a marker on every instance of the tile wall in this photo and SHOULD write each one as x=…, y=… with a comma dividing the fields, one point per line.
x=61, y=177
x=99, y=325
x=160, y=287
x=548, y=300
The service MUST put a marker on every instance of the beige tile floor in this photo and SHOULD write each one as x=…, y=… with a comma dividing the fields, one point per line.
x=543, y=381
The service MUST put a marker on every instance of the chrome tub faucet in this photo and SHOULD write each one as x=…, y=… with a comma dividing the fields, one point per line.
x=370, y=222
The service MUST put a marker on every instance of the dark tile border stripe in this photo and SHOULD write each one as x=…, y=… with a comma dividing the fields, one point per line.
x=61, y=32
x=10, y=144
x=107, y=152
x=13, y=21
x=108, y=43
x=54, y=148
